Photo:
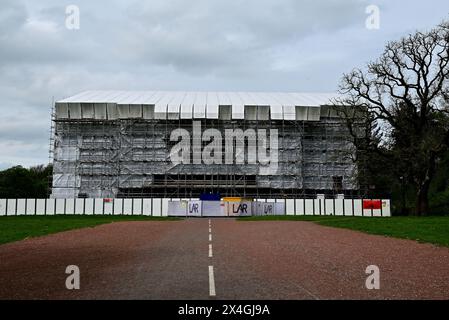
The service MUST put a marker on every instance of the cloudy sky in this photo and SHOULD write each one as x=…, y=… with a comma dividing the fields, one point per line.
x=240, y=45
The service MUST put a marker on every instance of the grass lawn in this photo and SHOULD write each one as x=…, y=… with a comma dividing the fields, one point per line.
x=423, y=229
x=22, y=227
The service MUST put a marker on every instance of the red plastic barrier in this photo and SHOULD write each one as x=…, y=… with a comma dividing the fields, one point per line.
x=372, y=204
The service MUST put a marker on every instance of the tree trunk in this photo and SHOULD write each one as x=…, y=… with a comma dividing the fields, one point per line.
x=422, y=205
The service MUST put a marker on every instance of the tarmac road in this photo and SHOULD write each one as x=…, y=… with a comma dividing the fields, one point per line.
x=235, y=260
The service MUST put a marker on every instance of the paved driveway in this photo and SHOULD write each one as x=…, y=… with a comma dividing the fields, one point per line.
x=221, y=259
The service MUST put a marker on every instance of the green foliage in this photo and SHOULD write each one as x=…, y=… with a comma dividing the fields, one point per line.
x=22, y=227
x=423, y=229
x=19, y=182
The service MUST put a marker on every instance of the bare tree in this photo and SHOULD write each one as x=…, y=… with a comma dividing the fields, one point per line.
x=405, y=93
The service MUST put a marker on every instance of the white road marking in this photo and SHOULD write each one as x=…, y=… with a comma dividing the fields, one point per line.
x=211, y=282
x=210, y=230
x=210, y=237
x=210, y=250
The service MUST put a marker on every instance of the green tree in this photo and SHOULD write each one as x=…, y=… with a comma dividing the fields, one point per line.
x=19, y=182
x=404, y=95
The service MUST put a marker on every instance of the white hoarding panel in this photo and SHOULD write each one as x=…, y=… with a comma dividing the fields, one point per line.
x=30, y=207
x=165, y=207
x=377, y=212
x=89, y=206
x=2, y=207
x=137, y=207
x=40, y=207
x=70, y=206
x=79, y=206
x=213, y=209
x=242, y=208
x=280, y=208
x=339, y=207
x=118, y=207
x=267, y=209
x=309, y=207
x=329, y=203
x=367, y=212
x=358, y=211
x=254, y=208
x=290, y=207
x=98, y=206
x=21, y=207
x=177, y=208
x=60, y=206
x=128, y=207
x=147, y=207
x=157, y=207
x=108, y=206
x=318, y=207
x=11, y=207
x=348, y=207
x=51, y=207
x=386, y=211
x=299, y=207
x=194, y=209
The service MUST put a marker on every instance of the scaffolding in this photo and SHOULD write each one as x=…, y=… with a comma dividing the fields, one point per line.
x=130, y=158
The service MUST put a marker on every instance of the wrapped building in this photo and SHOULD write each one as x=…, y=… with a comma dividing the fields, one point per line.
x=111, y=144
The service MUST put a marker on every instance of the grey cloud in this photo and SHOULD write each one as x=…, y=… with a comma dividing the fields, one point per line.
x=279, y=45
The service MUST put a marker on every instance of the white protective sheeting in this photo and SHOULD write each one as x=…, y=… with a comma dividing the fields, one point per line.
x=62, y=110
x=88, y=110
x=100, y=111
x=212, y=105
x=192, y=105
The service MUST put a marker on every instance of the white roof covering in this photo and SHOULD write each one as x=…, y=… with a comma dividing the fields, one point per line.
x=200, y=105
